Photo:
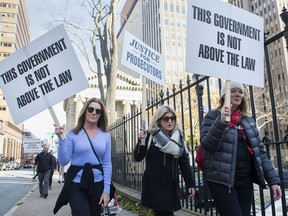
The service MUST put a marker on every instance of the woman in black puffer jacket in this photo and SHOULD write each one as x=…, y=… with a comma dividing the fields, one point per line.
x=236, y=156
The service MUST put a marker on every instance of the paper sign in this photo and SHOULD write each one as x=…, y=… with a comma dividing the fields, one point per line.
x=225, y=41
x=40, y=75
x=142, y=59
x=32, y=146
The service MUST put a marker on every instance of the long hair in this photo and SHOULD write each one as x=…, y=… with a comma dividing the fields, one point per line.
x=103, y=119
x=243, y=107
x=156, y=118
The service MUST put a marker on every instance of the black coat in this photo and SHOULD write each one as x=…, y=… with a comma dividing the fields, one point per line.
x=44, y=162
x=221, y=145
x=86, y=183
x=160, y=185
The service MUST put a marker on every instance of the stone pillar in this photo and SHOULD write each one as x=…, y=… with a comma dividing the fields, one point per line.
x=127, y=107
x=78, y=106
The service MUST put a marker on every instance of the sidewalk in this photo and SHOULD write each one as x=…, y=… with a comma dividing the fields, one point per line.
x=33, y=204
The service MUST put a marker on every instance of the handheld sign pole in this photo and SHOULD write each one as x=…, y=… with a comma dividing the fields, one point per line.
x=227, y=98
x=144, y=104
x=55, y=119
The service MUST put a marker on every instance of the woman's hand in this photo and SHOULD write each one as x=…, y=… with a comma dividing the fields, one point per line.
x=142, y=134
x=59, y=130
x=225, y=111
x=104, y=200
x=191, y=192
x=276, y=192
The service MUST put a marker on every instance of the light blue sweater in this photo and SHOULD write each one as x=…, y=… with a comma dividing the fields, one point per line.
x=77, y=149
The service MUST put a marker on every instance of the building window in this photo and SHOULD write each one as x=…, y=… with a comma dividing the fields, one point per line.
x=172, y=7
x=165, y=6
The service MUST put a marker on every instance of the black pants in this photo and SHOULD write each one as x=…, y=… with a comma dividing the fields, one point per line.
x=51, y=177
x=234, y=201
x=43, y=182
x=82, y=204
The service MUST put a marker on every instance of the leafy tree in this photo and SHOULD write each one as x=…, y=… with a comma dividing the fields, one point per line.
x=93, y=31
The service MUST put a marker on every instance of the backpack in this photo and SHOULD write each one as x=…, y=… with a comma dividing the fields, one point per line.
x=200, y=157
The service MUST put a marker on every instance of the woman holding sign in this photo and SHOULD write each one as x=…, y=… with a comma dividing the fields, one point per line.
x=88, y=147
x=235, y=155
x=164, y=149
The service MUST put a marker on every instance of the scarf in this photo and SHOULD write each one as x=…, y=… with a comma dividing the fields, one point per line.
x=234, y=121
x=174, y=145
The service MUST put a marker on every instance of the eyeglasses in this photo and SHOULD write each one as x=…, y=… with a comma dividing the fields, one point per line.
x=97, y=111
x=166, y=118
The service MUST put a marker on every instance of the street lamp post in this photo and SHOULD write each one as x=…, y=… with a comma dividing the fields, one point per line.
x=284, y=17
x=284, y=33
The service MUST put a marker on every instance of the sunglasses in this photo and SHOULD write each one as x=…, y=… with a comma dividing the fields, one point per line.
x=97, y=111
x=166, y=118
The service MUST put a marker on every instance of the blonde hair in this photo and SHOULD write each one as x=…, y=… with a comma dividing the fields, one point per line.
x=156, y=118
x=103, y=119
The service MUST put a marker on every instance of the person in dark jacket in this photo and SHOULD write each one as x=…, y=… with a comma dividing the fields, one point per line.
x=44, y=164
x=164, y=150
x=54, y=166
x=235, y=155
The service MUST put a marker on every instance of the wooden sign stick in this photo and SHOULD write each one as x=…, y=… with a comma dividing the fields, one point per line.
x=55, y=119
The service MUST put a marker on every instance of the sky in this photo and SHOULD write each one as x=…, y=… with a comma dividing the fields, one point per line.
x=41, y=125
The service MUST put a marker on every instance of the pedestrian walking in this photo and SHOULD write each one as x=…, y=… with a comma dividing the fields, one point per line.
x=87, y=182
x=44, y=164
x=60, y=173
x=54, y=166
x=164, y=150
x=235, y=155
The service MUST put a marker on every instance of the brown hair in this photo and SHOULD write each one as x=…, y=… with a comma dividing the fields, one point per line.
x=243, y=107
x=102, y=122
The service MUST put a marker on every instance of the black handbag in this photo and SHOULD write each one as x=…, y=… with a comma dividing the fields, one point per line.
x=112, y=187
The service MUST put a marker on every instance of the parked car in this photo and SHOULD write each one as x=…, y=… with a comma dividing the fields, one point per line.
x=15, y=165
x=8, y=166
x=28, y=166
x=2, y=166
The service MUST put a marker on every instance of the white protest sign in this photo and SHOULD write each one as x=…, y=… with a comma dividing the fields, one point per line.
x=225, y=41
x=142, y=59
x=40, y=75
x=32, y=146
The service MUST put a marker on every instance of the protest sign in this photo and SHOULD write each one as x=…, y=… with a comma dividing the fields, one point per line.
x=225, y=41
x=142, y=59
x=32, y=145
x=41, y=74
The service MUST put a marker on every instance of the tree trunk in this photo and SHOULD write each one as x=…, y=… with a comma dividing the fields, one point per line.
x=111, y=88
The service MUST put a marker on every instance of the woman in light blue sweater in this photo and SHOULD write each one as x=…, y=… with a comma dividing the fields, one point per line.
x=87, y=185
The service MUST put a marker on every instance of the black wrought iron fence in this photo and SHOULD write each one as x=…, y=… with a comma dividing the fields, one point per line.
x=190, y=102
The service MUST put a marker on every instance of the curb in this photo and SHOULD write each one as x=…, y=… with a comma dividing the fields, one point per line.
x=17, y=204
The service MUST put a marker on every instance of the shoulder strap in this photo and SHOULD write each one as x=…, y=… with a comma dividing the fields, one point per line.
x=92, y=146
